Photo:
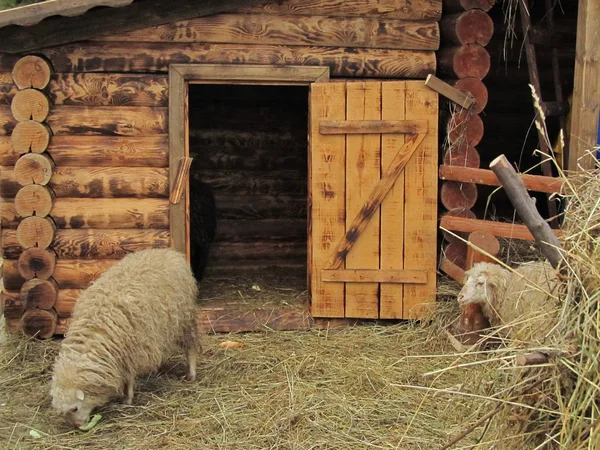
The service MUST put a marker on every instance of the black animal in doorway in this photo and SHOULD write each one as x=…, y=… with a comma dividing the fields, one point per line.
x=203, y=222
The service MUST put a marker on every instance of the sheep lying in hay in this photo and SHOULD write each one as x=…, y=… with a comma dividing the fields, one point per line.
x=521, y=303
x=140, y=312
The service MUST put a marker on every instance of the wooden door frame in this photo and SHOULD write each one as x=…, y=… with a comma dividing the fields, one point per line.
x=180, y=77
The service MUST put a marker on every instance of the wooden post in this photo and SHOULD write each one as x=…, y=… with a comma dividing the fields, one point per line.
x=586, y=100
x=34, y=200
x=524, y=204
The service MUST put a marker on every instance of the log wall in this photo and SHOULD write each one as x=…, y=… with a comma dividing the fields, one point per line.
x=107, y=134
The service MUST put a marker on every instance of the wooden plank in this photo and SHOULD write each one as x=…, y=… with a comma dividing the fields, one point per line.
x=586, y=98
x=377, y=196
x=260, y=206
x=197, y=73
x=64, y=305
x=535, y=183
x=181, y=180
x=99, y=213
x=500, y=229
x=104, y=21
x=374, y=276
x=420, y=210
x=263, y=251
x=392, y=208
x=156, y=57
x=68, y=273
x=178, y=149
x=464, y=100
x=91, y=151
x=97, y=182
x=363, y=171
x=100, y=89
x=452, y=270
x=98, y=120
x=277, y=229
x=371, y=126
x=360, y=32
x=92, y=244
x=399, y=9
x=250, y=182
x=327, y=162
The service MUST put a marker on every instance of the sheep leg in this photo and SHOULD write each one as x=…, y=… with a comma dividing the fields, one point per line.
x=191, y=358
x=129, y=390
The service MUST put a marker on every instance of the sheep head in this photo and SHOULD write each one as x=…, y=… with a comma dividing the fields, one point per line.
x=484, y=282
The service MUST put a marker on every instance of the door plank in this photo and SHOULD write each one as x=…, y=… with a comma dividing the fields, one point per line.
x=327, y=162
x=363, y=102
x=392, y=209
x=420, y=184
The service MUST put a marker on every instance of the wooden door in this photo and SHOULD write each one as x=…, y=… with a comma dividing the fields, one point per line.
x=372, y=199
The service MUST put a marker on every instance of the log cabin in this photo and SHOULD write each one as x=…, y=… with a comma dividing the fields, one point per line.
x=329, y=157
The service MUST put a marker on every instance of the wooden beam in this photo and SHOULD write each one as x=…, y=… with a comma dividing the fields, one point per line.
x=374, y=276
x=507, y=230
x=586, y=99
x=443, y=88
x=372, y=126
x=452, y=270
x=536, y=183
x=61, y=30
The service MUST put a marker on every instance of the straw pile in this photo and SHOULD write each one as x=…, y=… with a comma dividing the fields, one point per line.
x=367, y=387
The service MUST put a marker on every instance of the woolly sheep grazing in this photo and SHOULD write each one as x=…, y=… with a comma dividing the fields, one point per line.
x=524, y=300
x=139, y=312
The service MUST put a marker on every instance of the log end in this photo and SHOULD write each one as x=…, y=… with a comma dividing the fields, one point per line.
x=31, y=72
x=40, y=323
x=39, y=294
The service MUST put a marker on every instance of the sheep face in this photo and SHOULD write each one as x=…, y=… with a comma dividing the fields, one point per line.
x=73, y=404
x=475, y=290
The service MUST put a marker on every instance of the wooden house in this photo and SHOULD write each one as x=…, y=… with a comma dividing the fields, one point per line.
x=309, y=120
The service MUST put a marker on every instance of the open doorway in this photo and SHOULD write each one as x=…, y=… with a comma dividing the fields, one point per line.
x=250, y=157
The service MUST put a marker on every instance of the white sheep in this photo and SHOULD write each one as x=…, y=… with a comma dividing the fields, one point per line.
x=523, y=303
x=137, y=314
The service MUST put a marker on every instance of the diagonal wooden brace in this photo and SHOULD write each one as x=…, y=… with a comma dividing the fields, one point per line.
x=380, y=191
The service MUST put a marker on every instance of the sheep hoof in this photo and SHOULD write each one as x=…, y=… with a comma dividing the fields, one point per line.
x=190, y=377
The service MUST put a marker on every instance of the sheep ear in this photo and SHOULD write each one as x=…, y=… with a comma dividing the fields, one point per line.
x=80, y=395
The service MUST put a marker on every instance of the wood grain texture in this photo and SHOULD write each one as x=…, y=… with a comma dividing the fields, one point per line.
x=499, y=229
x=480, y=240
x=63, y=306
x=240, y=251
x=92, y=244
x=93, y=151
x=462, y=154
x=536, y=183
x=458, y=195
x=33, y=262
x=39, y=323
x=370, y=126
x=32, y=168
x=99, y=213
x=586, y=102
x=31, y=72
x=465, y=126
x=102, y=21
x=32, y=200
x=327, y=196
x=96, y=182
x=469, y=27
x=319, y=30
x=156, y=57
x=255, y=182
x=476, y=88
x=420, y=210
x=363, y=171
x=399, y=9
x=103, y=120
x=30, y=104
x=100, y=89
x=466, y=5
x=32, y=231
x=471, y=60
x=11, y=305
x=277, y=229
x=24, y=136
x=391, y=297
x=375, y=276
x=38, y=293
x=68, y=273
x=458, y=212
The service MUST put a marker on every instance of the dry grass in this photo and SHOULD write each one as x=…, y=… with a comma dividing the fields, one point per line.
x=360, y=387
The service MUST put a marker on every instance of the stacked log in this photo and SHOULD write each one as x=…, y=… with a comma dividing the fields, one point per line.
x=463, y=62
x=30, y=107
